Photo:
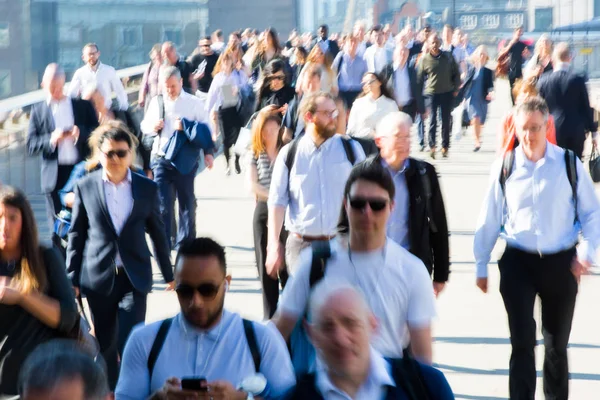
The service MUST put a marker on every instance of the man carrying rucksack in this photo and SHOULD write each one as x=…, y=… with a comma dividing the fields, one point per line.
x=308, y=181
x=204, y=352
x=394, y=283
x=418, y=221
x=348, y=367
x=540, y=199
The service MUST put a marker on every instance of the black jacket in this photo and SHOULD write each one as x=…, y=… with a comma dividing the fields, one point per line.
x=488, y=84
x=416, y=90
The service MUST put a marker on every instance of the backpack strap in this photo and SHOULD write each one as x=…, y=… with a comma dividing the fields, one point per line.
x=507, y=168
x=408, y=376
x=571, y=165
x=426, y=185
x=161, y=108
x=291, y=155
x=252, y=343
x=159, y=341
x=347, y=143
x=321, y=251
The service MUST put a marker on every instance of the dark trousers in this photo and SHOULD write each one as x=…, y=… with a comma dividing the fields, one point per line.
x=229, y=121
x=114, y=315
x=442, y=103
x=348, y=97
x=53, y=204
x=573, y=141
x=420, y=129
x=270, y=286
x=522, y=277
x=167, y=177
x=410, y=109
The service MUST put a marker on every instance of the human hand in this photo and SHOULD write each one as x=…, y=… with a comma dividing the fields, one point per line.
x=274, y=259
x=171, y=390
x=159, y=125
x=75, y=133
x=141, y=101
x=8, y=294
x=221, y=390
x=170, y=286
x=76, y=290
x=57, y=136
x=198, y=75
x=209, y=160
x=482, y=283
x=579, y=268
x=149, y=174
x=283, y=108
x=490, y=96
x=178, y=124
x=438, y=287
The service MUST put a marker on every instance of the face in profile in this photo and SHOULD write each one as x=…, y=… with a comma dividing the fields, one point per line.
x=11, y=227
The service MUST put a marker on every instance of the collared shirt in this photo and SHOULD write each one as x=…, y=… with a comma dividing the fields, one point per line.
x=313, y=190
x=220, y=82
x=62, y=112
x=324, y=45
x=537, y=213
x=150, y=86
x=562, y=66
x=402, y=90
x=105, y=77
x=350, y=71
x=184, y=106
x=222, y=353
x=119, y=201
x=395, y=283
x=374, y=388
x=377, y=58
x=366, y=114
x=398, y=221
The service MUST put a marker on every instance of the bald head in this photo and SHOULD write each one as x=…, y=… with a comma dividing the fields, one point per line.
x=392, y=123
x=328, y=295
x=53, y=81
x=562, y=52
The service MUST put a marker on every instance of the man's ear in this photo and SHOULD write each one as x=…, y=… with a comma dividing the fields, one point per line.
x=373, y=324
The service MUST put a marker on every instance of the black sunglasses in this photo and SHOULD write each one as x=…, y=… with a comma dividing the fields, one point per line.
x=206, y=290
x=359, y=203
x=118, y=153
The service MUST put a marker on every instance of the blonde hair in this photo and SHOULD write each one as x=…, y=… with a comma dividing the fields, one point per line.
x=475, y=56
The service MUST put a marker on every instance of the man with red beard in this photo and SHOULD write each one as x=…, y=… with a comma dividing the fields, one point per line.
x=308, y=181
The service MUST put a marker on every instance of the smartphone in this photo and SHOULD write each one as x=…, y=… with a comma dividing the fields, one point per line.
x=194, y=384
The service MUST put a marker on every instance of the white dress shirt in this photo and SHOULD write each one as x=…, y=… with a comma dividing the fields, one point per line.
x=119, y=201
x=395, y=284
x=402, y=90
x=377, y=58
x=185, y=106
x=314, y=191
x=215, y=93
x=222, y=353
x=374, y=388
x=366, y=114
x=62, y=113
x=105, y=77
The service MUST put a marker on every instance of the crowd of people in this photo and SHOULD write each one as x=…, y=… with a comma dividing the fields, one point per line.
x=347, y=223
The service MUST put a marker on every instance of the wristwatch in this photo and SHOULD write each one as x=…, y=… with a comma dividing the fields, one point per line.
x=254, y=385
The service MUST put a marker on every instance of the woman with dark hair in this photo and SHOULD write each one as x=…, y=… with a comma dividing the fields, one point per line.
x=36, y=298
x=300, y=58
x=266, y=143
x=274, y=89
x=269, y=49
x=375, y=103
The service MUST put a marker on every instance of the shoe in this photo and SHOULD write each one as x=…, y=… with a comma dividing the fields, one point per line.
x=238, y=169
x=422, y=148
x=228, y=171
x=476, y=149
x=432, y=153
x=444, y=152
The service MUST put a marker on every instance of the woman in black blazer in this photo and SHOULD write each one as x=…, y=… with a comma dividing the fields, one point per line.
x=478, y=89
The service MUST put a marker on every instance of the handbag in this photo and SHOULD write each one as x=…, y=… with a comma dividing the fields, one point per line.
x=244, y=140
x=81, y=332
x=594, y=165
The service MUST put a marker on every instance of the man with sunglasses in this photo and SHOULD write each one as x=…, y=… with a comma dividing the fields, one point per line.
x=108, y=257
x=418, y=222
x=394, y=283
x=204, y=341
x=203, y=64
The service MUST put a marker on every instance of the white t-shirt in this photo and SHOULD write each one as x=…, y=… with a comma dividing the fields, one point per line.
x=395, y=284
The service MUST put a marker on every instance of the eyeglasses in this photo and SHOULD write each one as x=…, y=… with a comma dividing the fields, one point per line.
x=119, y=153
x=359, y=203
x=207, y=290
x=277, y=77
x=332, y=114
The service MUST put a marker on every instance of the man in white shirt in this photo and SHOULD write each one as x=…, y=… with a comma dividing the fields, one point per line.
x=104, y=76
x=204, y=341
x=165, y=122
x=395, y=283
x=217, y=38
x=348, y=367
x=310, y=183
x=378, y=55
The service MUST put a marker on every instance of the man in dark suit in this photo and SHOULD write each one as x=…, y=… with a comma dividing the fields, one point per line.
x=400, y=77
x=59, y=128
x=327, y=46
x=568, y=101
x=108, y=257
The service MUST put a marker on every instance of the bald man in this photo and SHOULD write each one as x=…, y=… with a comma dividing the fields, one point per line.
x=59, y=128
x=341, y=325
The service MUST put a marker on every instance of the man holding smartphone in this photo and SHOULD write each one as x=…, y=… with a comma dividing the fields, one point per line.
x=203, y=64
x=204, y=352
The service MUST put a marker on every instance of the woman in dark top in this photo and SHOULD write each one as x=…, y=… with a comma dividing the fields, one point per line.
x=300, y=56
x=36, y=298
x=274, y=89
x=266, y=142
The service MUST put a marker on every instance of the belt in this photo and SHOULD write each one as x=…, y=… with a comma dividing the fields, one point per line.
x=540, y=254
x=313, y=238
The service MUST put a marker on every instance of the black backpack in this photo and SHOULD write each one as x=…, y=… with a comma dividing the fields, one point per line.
x=161, y=335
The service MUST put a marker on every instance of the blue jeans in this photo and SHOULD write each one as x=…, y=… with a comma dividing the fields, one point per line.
x=442, y=103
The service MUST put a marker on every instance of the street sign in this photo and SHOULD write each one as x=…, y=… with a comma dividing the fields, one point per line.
x=586, y=50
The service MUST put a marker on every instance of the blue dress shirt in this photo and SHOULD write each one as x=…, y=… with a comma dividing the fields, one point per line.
x=398, y=222
x=537, y=214
x=350, y=72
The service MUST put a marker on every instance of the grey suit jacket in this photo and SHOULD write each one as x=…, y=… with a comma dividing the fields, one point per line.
x=93, y=240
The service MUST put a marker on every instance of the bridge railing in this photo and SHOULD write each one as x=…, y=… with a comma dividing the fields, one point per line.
x=17, y=168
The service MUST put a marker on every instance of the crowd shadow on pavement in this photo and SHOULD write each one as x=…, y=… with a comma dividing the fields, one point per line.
x=504, y=372
x=470, y=397
x=502, y=341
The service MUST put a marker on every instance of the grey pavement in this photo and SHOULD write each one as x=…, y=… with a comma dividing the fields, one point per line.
x=471, y=333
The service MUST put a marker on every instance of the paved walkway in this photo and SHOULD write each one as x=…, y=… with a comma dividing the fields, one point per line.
x=471, y=334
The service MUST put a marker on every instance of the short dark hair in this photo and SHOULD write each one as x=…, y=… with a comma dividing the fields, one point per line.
x=203, y=247
x=218, y=33
x=206, y=38
x=376, y=28
x=533, y=104
x=114, y=130
x=59, y=360
x=237, y=34
x=324, y=27
x=370, y=170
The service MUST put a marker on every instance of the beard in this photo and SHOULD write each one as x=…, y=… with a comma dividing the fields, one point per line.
x=325, y=131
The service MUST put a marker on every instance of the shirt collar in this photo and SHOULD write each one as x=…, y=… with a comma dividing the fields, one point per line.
x=324, y=146
x=50, y=100
x=379, y=374
x=392, y=172
x=522, y=160
x=105, y=177
x=562, y=66
x=98, y=66
x=192, y=332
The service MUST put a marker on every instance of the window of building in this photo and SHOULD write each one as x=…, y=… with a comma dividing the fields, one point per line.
x=4, y=35
x=5, y=87
x=543, y=19
x=130, y=36
x=171, y=34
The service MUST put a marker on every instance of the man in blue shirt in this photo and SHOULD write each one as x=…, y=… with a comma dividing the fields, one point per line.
x=350, y=69
x=539, y=211
x=203, y=341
